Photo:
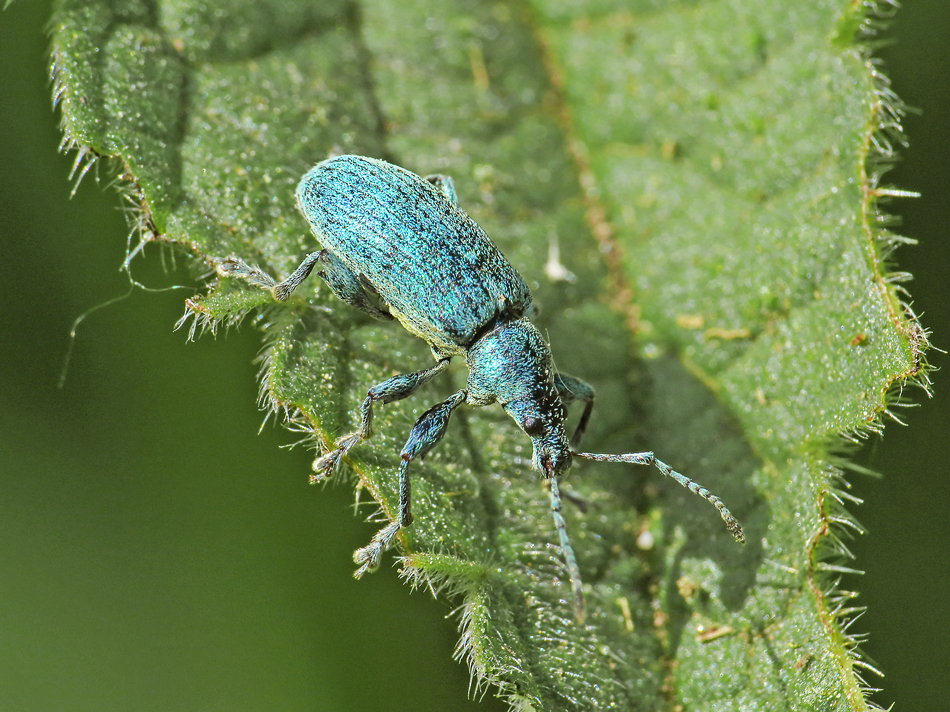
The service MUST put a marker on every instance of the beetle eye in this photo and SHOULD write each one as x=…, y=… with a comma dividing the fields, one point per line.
x=533, y=426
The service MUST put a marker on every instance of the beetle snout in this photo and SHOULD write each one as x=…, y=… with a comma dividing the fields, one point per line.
x=553, y=462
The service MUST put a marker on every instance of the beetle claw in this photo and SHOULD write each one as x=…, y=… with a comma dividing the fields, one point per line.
x=325, y=466
x=370, y=554
x=368, y=557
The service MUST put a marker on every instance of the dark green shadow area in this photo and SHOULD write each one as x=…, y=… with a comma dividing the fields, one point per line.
x=158, y=552
x=905, y=512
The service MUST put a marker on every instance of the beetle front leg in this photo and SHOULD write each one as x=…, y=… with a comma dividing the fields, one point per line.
x=424, y=436
x=567, y=551
x=395, y=389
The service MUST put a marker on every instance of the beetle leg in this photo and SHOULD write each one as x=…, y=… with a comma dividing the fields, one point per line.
x=445, y=184
x=570, y=389
x=341, y=280
x=346, y=284
x=282, y=291
x=424, y=436
x=237, y=268
x=396, y=388
x=567, y=551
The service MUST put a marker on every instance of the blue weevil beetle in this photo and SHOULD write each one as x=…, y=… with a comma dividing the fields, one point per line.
x=390, y=236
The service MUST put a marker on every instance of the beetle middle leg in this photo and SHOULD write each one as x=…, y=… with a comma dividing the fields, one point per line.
x=394, y=389
x=445, y=184
x=424, y=436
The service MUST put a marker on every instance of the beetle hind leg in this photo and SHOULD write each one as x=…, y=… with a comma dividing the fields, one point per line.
x=396, y=388
x=236, y=268
x=344, y=283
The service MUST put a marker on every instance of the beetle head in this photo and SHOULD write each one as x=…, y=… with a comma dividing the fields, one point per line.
x=542, y=419
x=511, y=364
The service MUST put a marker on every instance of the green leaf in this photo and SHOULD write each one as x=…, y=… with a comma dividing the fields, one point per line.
x=708, y=173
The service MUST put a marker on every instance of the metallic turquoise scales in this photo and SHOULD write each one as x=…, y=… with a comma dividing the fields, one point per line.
x=390, y=236
x=404, y=235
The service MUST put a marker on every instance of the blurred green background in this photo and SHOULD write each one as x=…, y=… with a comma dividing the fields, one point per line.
x=157, y=553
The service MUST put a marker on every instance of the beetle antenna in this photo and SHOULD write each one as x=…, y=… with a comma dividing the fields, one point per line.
x=647, y=458
x=567, y=551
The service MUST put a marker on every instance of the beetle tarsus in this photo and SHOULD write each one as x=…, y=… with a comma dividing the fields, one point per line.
x=368, y=557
